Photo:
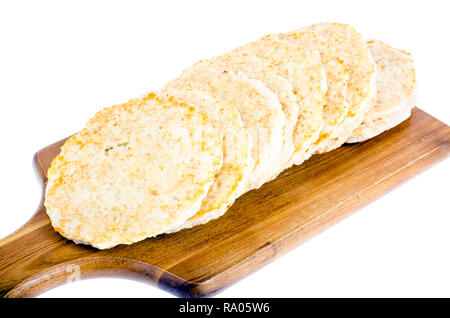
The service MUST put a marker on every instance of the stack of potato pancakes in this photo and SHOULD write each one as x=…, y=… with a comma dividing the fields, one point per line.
x=181, y=155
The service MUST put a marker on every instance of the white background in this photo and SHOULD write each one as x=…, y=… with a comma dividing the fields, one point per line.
x=62, y=62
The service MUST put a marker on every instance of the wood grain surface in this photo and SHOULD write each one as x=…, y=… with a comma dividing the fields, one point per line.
x=261, y=226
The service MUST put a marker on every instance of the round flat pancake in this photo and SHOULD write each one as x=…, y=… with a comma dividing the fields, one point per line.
x=304, y=70
x=344, y=43
x=135, y=170
x=257, y=69
x=231, y=179
x=396, y=83
x=258, y=107
x=336, y=106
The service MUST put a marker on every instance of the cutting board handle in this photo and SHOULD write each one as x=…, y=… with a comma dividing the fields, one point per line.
x=21, y=251
x=26, y=267
x=31, y=263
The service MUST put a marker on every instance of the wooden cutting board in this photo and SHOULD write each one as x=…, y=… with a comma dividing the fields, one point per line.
x=261, y=226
